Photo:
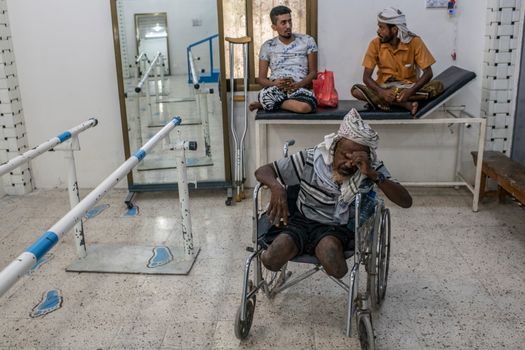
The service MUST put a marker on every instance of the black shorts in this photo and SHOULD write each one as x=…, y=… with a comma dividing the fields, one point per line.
x=271, y=98
x=307, y=233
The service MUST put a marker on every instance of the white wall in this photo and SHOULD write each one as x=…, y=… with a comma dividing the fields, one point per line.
x=470, y=45
x=181, y=32
x=346, y=28
x=67, y=73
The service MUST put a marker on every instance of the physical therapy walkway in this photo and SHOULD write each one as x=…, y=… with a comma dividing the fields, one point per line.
x=457, y=280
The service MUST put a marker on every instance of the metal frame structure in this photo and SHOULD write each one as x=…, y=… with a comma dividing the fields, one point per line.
x=157, y=62
x=24, y=262
x=463, y=118
x=51, y=144
x=140, y=64
x=194, y=78
x=46, y=146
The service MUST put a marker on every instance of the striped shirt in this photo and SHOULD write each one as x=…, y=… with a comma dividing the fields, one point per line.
x=288, y=61
x=316, y=200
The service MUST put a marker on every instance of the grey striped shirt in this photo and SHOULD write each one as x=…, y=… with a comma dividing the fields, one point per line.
x=316, y=200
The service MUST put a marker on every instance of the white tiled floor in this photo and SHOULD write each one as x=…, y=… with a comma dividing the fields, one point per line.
x=457, y=280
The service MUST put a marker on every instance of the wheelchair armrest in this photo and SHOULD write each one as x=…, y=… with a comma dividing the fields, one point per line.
x=257, y=204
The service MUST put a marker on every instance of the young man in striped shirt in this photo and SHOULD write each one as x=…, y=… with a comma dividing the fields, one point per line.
x=329, y=175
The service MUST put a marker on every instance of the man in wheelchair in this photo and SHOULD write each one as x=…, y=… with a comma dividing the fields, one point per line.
x=329, y=175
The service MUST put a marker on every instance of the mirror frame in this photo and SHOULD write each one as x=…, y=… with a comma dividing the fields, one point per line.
x=227, y=183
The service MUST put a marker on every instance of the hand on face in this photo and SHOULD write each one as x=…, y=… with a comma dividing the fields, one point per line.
x=350, y=156
x=361, y=160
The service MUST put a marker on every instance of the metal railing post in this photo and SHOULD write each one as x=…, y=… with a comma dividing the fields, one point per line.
x=184, y=198
x=156, y=79
x=162, y=65
x=74, y=197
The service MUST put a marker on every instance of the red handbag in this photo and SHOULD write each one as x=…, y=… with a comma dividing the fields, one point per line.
x=324, y=89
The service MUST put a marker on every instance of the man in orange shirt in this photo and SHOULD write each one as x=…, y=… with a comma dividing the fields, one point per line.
x=398, y=53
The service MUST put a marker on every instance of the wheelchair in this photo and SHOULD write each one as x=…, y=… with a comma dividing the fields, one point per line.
x=371, y=250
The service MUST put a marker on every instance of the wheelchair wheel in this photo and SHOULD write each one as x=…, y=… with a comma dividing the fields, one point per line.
x=383, y=256
x=379, y=261
x=365, y=332
x=242, y=328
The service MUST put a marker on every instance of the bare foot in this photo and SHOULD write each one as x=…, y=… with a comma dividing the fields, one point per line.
x=254, y=105
x=413, y=109
x=411, y=106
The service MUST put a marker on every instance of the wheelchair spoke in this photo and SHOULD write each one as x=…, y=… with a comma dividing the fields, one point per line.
x=271, y=280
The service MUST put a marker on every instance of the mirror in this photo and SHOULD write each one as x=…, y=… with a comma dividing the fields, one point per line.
x=168, y=59
x=152, y=37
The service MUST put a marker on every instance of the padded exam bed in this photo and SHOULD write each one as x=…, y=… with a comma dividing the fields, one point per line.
x=453, y=79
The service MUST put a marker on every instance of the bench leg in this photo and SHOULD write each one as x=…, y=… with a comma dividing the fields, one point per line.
x=482, y=185
x=501, y=194
x=479, y=162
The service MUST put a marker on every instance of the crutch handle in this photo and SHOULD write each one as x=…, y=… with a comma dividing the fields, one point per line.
x=241, y=40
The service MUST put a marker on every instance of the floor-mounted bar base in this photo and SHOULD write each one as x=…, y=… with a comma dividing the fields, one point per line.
x=155, y=162
x=122, y=258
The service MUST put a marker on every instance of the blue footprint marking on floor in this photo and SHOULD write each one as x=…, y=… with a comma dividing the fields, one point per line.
x=91, y=213
x=40, y=262
x=131, y=212
x=51, y=301
x=161, y=256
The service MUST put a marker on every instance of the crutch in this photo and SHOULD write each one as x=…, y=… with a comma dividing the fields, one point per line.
x=239, y=166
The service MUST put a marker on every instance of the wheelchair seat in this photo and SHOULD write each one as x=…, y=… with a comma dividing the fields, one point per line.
x=292, y=193
x=264, y=225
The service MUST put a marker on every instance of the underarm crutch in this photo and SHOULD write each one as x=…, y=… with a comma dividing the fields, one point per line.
x=239, y=166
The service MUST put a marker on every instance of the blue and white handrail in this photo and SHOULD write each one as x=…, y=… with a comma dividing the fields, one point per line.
x=142, y=56
x=145, y=77
x=21, y=265
x=194, y=77
x=46, y=146
x=213, y=75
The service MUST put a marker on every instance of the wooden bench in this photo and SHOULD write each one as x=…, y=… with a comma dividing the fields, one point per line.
x=508, y=174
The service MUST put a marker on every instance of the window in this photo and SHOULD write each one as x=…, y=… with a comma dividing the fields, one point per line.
x=252, y=18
